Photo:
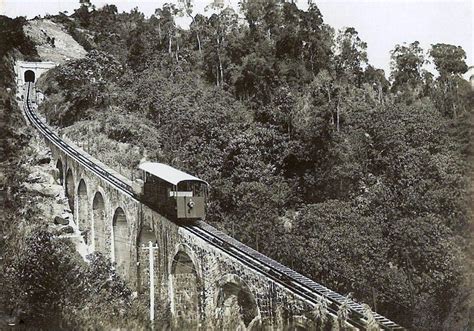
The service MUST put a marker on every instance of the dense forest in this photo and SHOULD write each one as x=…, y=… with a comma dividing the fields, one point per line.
x=314, y=157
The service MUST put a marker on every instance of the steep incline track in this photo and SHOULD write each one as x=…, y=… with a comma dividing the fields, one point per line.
x=295, y=282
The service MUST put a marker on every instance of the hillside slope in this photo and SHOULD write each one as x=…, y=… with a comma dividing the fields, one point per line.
x=289, y=123
x=52, y=42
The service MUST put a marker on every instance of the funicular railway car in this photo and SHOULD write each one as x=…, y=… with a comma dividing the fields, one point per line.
x=175, y=194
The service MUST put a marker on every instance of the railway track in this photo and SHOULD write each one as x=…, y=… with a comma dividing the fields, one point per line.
x=286, y=277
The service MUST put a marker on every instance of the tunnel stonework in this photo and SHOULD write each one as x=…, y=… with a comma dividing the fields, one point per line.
x=29, y=71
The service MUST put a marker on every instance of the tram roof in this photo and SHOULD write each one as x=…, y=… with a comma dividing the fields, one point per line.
x=168, y=173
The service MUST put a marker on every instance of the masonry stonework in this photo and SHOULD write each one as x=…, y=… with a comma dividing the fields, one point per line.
x=196, y=283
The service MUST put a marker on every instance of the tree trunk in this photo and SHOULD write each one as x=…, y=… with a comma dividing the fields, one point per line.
x=221, y=71
x=328, y=90
x=177, y=49
x=199, y=43
x=169, y=45
x=379, y=90
x=337, y=113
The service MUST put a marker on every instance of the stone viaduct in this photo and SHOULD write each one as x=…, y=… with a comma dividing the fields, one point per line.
x=198, y=284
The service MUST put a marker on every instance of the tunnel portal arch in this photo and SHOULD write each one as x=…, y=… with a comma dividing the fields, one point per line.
x=29, y=76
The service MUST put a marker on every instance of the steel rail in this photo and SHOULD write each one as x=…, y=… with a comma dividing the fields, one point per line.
x=284, y=276
x=292, y=279
x=69, y=150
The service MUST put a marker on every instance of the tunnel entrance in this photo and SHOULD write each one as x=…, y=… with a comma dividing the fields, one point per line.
x=29, y=76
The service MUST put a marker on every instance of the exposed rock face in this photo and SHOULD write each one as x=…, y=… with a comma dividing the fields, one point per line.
x=60, y=220
x=66, y=230
x=44, y=157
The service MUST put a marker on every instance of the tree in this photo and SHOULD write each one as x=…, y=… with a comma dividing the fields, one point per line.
x=83, y=13
x=448, y=59
x=13, y=36
x=376, y=79
x=50, y=284
x=350, y=55
x=221, y=25
x=167, y=26
x=450, y=63
x=136, y=51
x=406, y=63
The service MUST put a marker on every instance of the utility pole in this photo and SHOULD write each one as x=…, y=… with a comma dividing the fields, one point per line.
x=151, y=257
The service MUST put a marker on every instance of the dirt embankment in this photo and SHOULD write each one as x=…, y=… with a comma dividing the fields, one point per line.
x=52, y=42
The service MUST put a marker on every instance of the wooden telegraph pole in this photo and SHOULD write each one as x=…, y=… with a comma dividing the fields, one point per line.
x=151, y=257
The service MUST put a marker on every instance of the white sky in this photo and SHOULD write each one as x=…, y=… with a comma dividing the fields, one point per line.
x=381, y=23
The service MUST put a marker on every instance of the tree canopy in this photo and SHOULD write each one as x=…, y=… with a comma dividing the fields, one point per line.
x=313, y=156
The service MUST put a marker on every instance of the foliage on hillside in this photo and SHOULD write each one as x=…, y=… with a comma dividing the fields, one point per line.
x=12, y=38
x=50, y=284
x=44, y=282
x=314, y=158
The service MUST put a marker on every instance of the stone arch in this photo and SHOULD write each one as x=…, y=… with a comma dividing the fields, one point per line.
x=70, y=189
x=82, y=209
x=121, y=251
x=60, y=168
x=99, y=224
x=29, y=76
x=300, y=323
x=236, y=304
x=185, y=288
x=145, y=236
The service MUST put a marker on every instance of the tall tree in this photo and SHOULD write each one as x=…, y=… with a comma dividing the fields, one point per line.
x=448, y=59
x=221, y=26
x=351, y=55
x=406, y=64
x=317, y=39
x=450, y=63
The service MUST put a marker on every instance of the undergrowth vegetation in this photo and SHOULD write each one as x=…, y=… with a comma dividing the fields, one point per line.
x=313, y=156
x=44, y=283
